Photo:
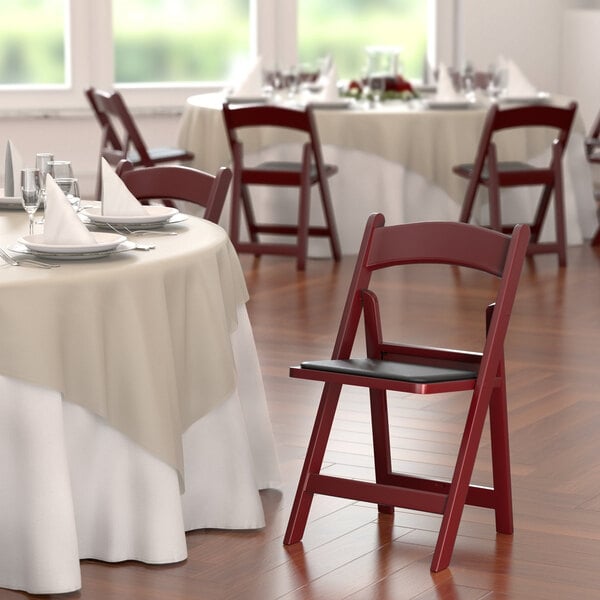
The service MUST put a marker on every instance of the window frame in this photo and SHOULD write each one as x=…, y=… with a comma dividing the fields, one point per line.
x=272, y=35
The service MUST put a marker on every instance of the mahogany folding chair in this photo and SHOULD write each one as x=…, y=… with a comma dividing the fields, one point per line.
x=121, y=138
x=592, y=153
x=176, y=182
x=419, y=370
x=491, y=172
x=307, y=171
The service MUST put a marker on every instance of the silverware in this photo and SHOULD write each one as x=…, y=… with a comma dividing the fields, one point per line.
x=122, y=229
x=24, y=261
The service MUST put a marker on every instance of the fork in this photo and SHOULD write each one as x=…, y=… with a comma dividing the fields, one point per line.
x=122, y=229
x=25, y=261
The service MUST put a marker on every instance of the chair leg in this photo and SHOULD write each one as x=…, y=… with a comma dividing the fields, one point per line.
x=381, y=441
x=596, y=239
x=501, y=458
x=559, y=212
x=330, y=220
x=467, y=205
x=459, y=486
x=303, y=223
x=249, y=213
x=312, y=463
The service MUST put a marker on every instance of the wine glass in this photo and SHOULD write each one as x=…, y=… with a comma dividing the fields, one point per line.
x=60, y=169
x=30, y=193
x=42, y=163
x=70, y=188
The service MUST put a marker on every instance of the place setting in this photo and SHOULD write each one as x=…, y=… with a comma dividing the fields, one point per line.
x=64, y=235
x=120, y=211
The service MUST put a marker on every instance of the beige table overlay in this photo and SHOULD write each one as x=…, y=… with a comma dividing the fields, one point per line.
x=141, y=339
x=378, y=150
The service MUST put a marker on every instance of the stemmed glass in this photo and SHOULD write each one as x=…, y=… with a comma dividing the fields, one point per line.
x=42, y=163
x=60, y=169
x=30, y=193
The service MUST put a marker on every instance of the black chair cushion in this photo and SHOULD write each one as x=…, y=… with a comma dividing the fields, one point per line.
x=387, y=369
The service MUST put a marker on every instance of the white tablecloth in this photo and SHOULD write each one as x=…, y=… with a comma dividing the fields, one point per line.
x=74, y=486
x=395, y=160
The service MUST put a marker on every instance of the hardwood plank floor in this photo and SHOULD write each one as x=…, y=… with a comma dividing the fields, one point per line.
x=348, y=551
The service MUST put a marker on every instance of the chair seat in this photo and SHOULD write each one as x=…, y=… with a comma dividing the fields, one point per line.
x=388, y=369
x=504, y=167
x=160, y=155
x=282, y=173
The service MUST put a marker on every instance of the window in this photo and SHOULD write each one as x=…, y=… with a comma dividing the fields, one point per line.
x=344, y=28
x=34, y=51
x=51, y=50
x=178, y=40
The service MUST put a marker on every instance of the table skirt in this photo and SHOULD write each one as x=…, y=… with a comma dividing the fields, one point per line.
x=380, y=185
x=75, y=488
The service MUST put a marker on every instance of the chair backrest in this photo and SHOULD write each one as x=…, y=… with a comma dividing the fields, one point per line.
x=176, y=182
x=121, y=137
x=555, y=118
x=458, y=244
x=239, y=117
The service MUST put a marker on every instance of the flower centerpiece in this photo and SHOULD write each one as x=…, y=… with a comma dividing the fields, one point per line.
x=382, y=80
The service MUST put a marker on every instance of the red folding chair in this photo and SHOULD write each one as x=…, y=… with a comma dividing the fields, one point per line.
x=592, y=153
x=307, y=171
x=491, y=172
x=176, y=182
x=419, y=370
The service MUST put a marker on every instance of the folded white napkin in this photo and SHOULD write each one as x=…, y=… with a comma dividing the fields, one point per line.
x=62, y=226
x=517, y=85
x=251, y=83
x=13, y=163
x=329, y=81
x=117, y=200
x=445, y=87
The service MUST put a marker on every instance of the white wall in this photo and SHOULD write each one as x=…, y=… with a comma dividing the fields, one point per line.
x=527, y=31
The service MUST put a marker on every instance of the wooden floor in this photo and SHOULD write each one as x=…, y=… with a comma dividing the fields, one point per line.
x=348, y=551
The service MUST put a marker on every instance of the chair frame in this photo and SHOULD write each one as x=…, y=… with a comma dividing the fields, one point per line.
x=489, y=172
x=178, y=182
x=497, y=254
x=592, y=153
x=121, y=139
x=310, y=171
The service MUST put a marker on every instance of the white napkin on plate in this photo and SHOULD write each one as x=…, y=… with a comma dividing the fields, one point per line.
x=329, y=81
x=117, y=200
x=251, y=84
x=445, y=86
x=517, y=85
x=62, y=226
x=13, y=163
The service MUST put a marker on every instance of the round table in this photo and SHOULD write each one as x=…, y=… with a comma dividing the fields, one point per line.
x=133, y=408
x=396, y=159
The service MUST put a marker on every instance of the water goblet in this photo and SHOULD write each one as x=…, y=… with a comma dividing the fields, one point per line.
x=42, y=163
x=70, y=188
x=30, y=193
x=60, y=169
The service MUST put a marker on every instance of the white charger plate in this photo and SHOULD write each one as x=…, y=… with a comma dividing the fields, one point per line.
x=22, y=249
x=448, y=104
x=155, y=214
x=104, y=242
x=539, y=98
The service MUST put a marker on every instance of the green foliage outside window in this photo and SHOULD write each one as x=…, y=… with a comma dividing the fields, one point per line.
x=32, y=47
x=343, y=28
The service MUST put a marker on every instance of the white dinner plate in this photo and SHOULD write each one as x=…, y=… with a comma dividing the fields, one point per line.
x=247, y=99
x=449, y=104
x=538, y=98
x=331, y=104
x=12, y=202
x=20, y=248
x=129, y=227
x=155, y=214
x=104, y=242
